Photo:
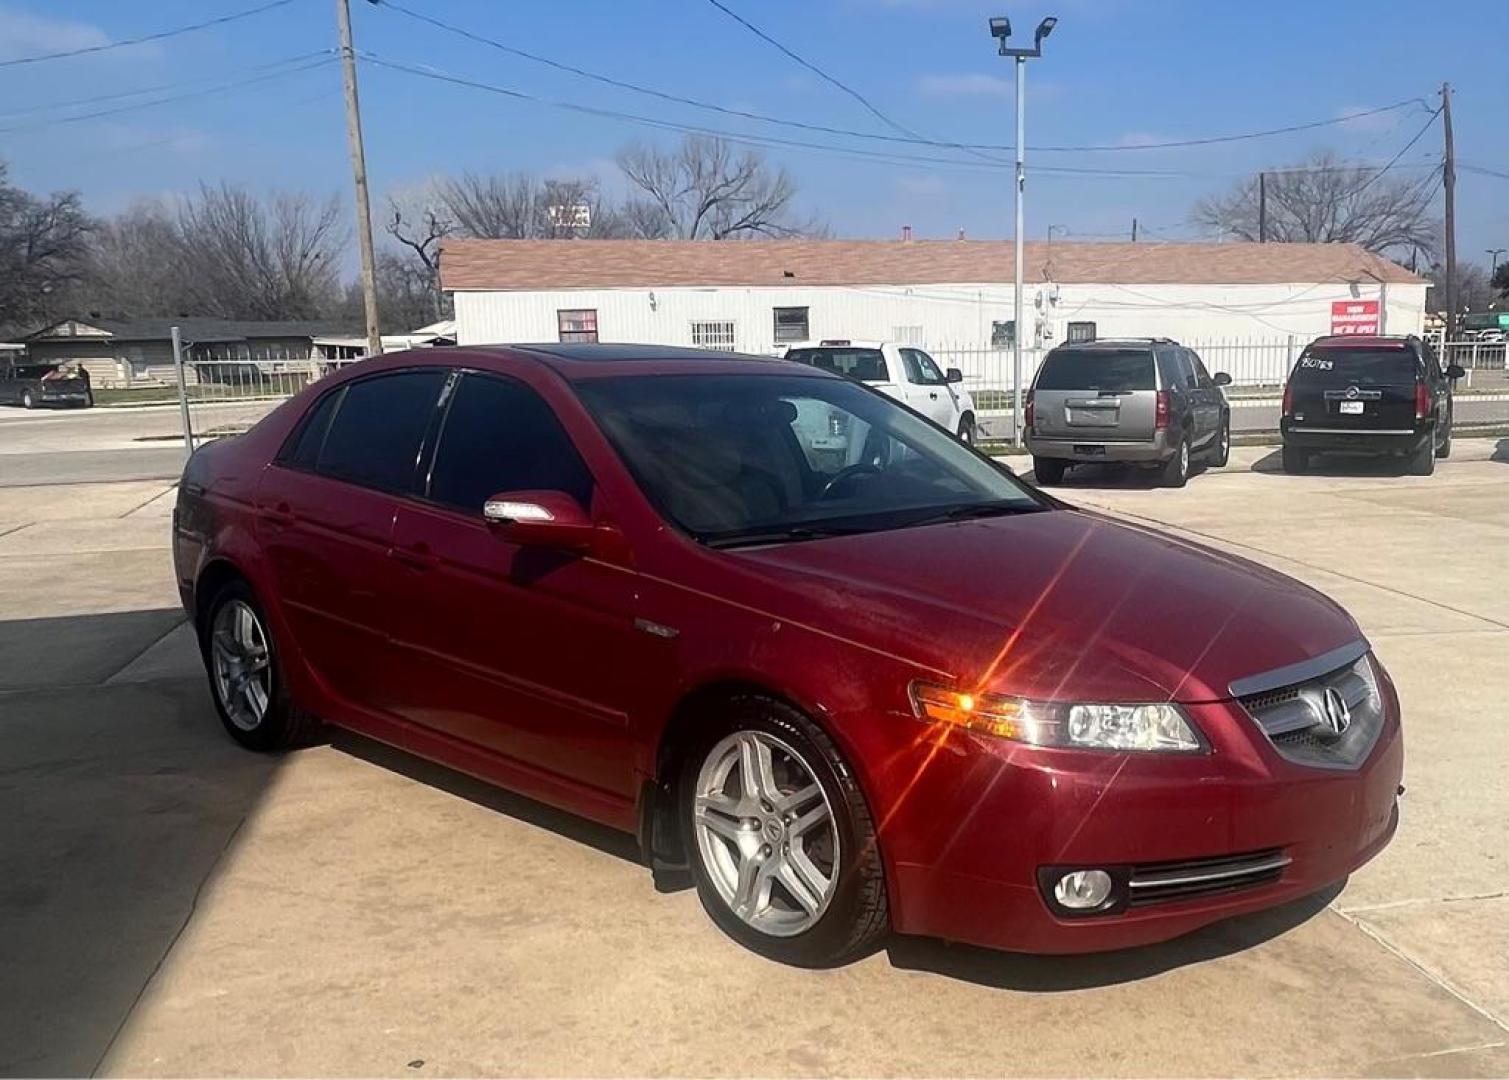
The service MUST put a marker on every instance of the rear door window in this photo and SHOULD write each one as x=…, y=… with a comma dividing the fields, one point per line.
x=302, y=449
x=499, y=435
x=375, y=435
x=866, y=365
x=1356, y=367
x=1113, y=370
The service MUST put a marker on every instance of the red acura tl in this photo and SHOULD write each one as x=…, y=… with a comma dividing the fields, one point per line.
x=850, y=673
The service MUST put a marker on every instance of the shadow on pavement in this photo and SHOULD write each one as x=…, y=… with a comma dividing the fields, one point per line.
x=1054, y=974
x=116, y=804
x=1500, y=452
x=1336, y=465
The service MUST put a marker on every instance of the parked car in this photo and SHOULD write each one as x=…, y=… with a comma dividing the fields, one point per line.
x=1148, y=401
x=30, y=384
x=909, y=693
x=903, y=372
x=1352, y=394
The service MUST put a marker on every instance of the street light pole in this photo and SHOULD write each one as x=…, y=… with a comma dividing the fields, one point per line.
x=1494, y=254
x=1000, y=28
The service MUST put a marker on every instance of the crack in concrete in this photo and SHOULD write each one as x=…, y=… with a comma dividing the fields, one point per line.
x=1390, y=904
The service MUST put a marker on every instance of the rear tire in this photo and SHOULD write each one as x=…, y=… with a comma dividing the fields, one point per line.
x=246, y=678
x=751, y=853
x=1444, y=450
x=1423, y=461
x=1296, y=461
x=1176, y=468
x=1223, y=444
x=1049, y=471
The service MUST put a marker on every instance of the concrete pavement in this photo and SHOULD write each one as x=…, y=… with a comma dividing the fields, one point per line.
x=174, y=906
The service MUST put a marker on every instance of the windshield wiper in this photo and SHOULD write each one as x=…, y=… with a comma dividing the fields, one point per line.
x=777, y=536
x=971, y=511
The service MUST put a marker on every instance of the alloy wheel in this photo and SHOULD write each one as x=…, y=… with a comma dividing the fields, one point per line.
x=241, y=664
x=1184, y=458
x=766, y=833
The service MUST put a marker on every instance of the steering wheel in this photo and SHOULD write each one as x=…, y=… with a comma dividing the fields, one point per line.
x=847, y=473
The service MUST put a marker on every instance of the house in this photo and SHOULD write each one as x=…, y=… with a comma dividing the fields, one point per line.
x=953, y=296
x=135, y=352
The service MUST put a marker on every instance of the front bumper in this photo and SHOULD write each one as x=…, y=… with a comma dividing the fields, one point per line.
x=966, y=868
x=1324, y=439
x=1158, y=448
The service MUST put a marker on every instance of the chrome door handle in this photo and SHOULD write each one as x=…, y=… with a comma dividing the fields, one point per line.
x=280, y=514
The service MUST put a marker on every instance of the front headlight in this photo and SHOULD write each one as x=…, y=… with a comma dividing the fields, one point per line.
x=1142, y=727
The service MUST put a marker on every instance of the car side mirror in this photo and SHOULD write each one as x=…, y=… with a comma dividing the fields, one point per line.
x=1220, y=378
x=953, y=375
x=1455, y=371
x=545, y=519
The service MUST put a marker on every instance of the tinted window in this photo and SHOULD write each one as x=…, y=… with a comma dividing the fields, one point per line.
x=866, y=365
x=1097, y=369
x=375, y=436
x=1201, y=375
x=1348, y=366
x=757, y=458
x=1184, y=364
x=303, y=447
x=499, y=435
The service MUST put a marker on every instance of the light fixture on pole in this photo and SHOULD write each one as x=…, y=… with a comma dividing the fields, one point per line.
x=1494, y=253
x=1000, y=28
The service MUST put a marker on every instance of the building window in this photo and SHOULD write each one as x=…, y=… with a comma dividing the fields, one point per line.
x=577, y=324
x=713, y=335
x=1081, y=331
x=1003, y=334
x=907, y=335
x=790, y=325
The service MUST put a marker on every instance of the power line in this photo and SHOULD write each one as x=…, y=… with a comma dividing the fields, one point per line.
x=232, y=85
x=159, y=36
x=1481, y=171
x=1215, y=139
x=121, y=94
x=1391, y=162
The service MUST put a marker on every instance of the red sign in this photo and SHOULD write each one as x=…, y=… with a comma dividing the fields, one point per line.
x=1354, y=316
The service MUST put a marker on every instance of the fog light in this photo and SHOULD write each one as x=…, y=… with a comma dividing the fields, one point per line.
x=1081, y=890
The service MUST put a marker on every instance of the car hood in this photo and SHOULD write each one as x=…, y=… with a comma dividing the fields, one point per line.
x=1061, y=605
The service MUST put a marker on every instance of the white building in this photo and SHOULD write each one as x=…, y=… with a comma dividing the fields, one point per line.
x=951, y=296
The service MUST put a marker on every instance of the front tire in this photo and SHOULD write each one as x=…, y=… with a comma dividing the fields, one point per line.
x=246, y=679
x=967, y=431
x=27, y=401
x=1049, y=471
x=1223, y=444
x=780, y=839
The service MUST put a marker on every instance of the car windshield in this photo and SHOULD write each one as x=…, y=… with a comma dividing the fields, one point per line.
x=1117, y=370
x=1353, y=366
x=866, y=365
x=744, y=459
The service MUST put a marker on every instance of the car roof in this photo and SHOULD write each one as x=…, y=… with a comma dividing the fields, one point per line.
x=841, y=343
x=586, y=360
x=1363, y=341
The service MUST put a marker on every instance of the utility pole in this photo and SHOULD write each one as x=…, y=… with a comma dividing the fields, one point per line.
x=1262, y=207
x=1000, y=28
x=1134, y=230
x=359, y=176
x=1449, y=180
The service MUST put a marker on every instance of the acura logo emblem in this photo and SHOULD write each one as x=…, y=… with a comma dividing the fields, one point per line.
x=1338, y=716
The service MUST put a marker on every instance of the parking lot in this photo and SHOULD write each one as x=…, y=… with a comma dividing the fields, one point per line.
x=175, y=906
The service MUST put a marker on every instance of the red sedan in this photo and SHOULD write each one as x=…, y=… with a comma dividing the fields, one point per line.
x=852, y=674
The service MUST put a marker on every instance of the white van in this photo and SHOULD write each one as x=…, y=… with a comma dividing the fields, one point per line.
x=903, y=372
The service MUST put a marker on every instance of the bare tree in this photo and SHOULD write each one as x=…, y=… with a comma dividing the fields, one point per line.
x=519, y=206
x=250, y=259
x=136, y=265
x=703, y=190
x=418, y=219
x=1475, y=292
x=43, y=247
x=1328, y=200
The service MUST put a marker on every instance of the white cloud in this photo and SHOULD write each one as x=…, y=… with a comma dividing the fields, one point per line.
x=23, y=33
x=965, y=84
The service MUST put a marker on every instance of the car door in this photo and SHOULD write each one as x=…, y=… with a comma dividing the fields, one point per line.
x=1440, y=390
x=324, y=517
x=1208, y=401
x=1184, y=387
x=528, y=652
x=927, y=390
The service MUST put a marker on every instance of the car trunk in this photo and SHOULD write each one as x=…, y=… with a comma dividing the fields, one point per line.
x=1099, y=395
x=1345, y=388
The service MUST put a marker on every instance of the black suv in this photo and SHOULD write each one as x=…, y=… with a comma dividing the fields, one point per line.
x=1368, y=395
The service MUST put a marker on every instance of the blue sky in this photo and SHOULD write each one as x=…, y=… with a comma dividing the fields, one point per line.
x=1115, y=71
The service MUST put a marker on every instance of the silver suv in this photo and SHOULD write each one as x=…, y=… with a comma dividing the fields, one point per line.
x=1144, y=400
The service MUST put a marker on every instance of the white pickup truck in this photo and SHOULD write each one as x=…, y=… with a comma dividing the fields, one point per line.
x=903, y=372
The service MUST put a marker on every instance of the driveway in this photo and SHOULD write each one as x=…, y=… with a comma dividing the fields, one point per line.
x=174, y=906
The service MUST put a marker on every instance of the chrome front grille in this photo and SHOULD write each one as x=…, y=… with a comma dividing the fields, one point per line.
x=1156, y=883
x=1328, y=720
